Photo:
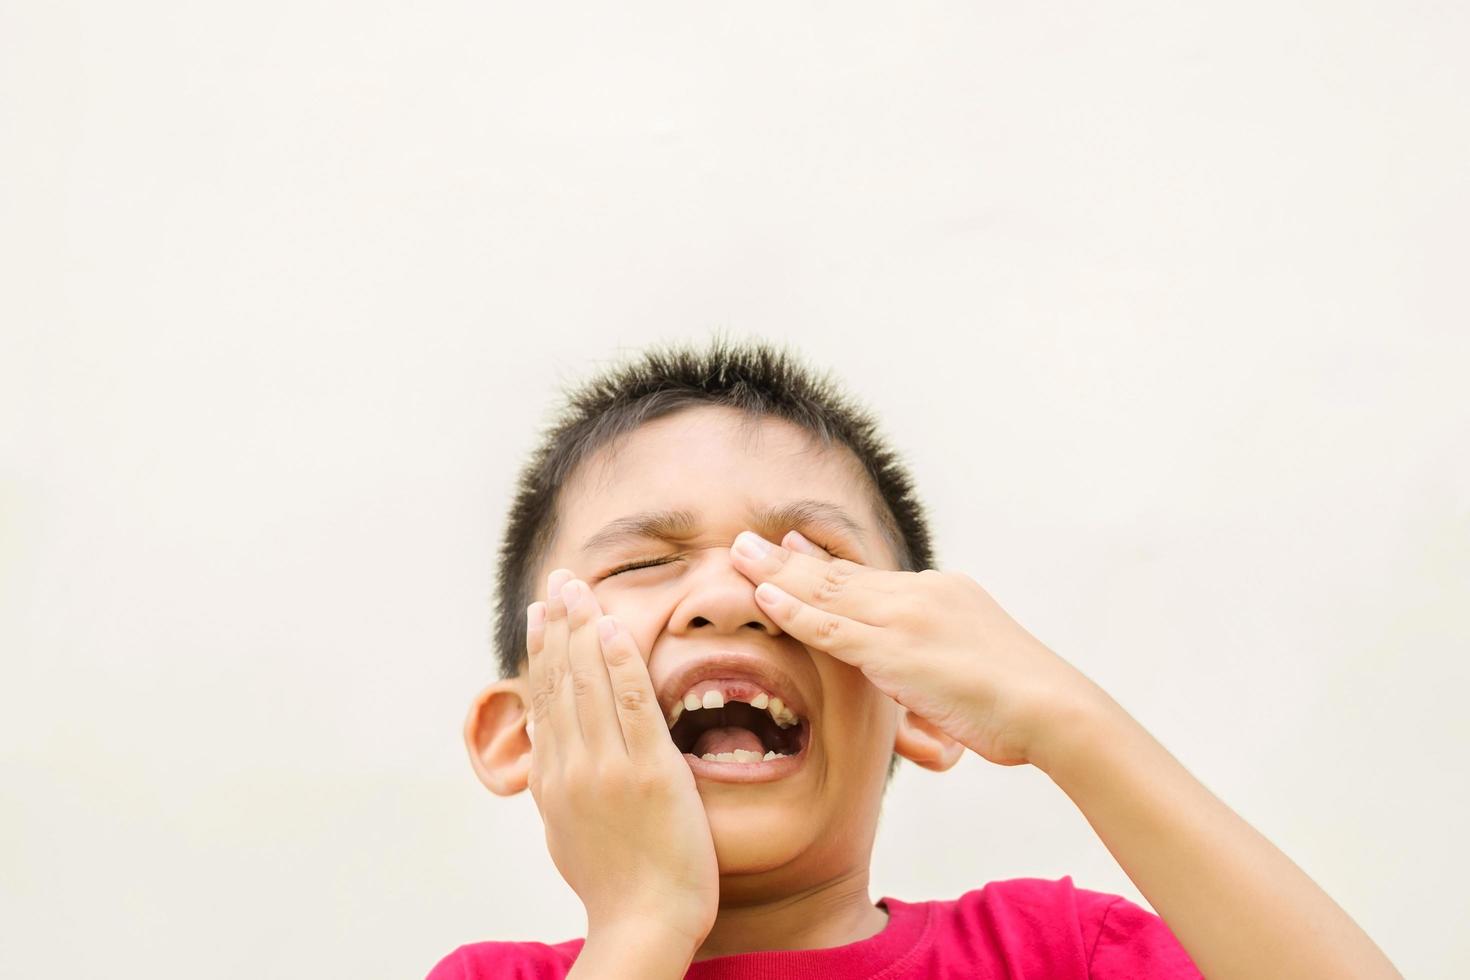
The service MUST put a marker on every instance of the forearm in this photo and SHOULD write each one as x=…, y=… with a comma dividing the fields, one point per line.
x=636, y=953
x=1239, y=906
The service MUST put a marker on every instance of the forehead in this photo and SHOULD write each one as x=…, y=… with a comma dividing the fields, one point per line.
x=719, y=465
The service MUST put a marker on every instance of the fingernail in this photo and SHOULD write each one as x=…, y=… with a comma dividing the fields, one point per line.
x=536, y=616
x=571, y=594
x=555, y=581
x=607, y=628
x=752, y=545
x=797, y=541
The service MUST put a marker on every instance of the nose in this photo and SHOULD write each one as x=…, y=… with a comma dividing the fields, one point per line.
x=721, y=598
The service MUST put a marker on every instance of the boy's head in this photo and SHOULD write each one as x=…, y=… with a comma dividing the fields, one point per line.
x=718, y=437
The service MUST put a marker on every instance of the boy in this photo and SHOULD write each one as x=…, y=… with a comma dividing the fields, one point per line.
x=704, y=715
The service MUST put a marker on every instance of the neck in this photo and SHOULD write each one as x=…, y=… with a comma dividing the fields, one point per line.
x=834, y=913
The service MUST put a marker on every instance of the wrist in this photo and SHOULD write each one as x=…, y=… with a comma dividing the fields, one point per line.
x=642, y=948
x=1078, y=732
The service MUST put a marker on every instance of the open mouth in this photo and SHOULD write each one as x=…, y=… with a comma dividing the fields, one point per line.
x=732, y=729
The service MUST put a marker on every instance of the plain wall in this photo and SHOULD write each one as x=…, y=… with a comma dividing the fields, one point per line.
x=1163, y=303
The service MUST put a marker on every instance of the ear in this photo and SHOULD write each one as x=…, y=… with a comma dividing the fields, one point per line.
x=919, y=741
x=495, y=735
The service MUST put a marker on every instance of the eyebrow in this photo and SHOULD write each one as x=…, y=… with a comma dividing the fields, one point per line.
x=771, y=522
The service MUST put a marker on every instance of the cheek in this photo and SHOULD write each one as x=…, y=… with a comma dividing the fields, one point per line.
x=857, y=716
x=857, y=726
x=645, y=612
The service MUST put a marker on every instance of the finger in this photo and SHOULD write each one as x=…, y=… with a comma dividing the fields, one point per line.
x=591, y=689
x=557, y=709
x=837, y=585
x=849, y=640
x=645, y=732
x=797, y=541
x=535, y=642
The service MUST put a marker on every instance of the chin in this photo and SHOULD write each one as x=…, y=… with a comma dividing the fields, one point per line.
x=750, y=839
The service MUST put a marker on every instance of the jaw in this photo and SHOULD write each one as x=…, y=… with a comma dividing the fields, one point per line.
x=787, y=834
x=761, y=826
x=756, y=837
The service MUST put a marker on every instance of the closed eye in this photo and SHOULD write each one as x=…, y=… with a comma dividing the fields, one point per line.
x=650, y=563
x=654, y=562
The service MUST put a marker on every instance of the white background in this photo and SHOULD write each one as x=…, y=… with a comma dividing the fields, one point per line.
x=1164, y=304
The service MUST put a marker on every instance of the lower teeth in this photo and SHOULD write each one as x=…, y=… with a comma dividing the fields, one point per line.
x=743, y=755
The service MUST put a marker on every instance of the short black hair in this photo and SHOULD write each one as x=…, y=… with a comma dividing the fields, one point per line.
x=755, y=377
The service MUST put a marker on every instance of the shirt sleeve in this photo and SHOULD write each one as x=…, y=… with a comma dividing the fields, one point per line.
x=449, y=968
x=1133, y=942
x=504, y=960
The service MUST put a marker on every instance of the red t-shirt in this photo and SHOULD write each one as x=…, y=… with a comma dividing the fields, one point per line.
x=1027, y=928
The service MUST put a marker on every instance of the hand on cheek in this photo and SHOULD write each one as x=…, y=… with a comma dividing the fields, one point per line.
x=935, y=642
x=625, y=824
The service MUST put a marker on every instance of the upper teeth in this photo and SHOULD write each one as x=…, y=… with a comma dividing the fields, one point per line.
x=783, y=716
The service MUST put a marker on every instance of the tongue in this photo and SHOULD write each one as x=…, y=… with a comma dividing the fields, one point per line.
x=728, y=739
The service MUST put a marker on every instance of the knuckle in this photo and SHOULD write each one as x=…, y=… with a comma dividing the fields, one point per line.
x=582, y=685
x=646, y=781
x=936, y=580
x=541, y=700
x=937, y=583
x=617, y=654
x=903, y=610
x=577, y=774
x=829, y=628
x=834, y=580
x=632, y=699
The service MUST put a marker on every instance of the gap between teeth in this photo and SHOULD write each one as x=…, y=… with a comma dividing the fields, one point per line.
x=783, y=716
x=743, y=755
